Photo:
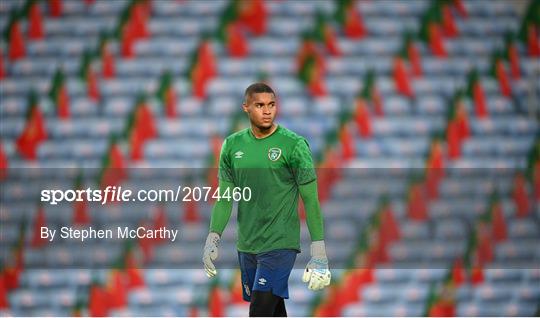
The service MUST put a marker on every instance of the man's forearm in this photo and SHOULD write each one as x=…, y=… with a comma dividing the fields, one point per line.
x=314, y=219
x=221, y=212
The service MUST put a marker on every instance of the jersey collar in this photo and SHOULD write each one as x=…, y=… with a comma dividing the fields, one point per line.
x=263, y=138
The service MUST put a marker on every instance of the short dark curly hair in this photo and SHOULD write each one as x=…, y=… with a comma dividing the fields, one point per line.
x=257, y=88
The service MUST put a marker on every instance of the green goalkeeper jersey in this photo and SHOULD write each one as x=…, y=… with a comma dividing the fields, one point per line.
x=273, y=167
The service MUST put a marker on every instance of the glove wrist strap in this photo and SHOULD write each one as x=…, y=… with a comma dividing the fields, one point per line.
x=318, y=249
x=213, y=238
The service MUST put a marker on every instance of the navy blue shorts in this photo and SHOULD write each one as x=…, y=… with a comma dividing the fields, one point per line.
x=267, y=271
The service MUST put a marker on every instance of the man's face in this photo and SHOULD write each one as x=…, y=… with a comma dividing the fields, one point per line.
x=261, y=109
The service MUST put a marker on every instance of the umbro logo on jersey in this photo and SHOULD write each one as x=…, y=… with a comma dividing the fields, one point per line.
x=262, y=281
x=274, y=153
x=238, y=154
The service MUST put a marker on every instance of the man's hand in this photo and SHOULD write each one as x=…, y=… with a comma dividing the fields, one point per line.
x=210, y=254
x=317, y=274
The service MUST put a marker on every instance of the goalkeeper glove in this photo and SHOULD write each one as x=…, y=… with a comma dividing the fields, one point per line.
x=210, y=253
x=317, y=274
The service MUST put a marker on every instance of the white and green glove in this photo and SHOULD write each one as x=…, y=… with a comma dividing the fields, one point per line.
x=317, y=274
x=210, y=253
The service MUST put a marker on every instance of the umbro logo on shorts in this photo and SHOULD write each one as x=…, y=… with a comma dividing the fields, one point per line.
x=238, y=154
x=262, y=281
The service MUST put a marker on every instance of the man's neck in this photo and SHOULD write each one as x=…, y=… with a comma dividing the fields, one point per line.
x=261, y=133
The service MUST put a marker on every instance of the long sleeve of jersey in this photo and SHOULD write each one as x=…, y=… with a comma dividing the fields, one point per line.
x=221, y=211
x=314, y=219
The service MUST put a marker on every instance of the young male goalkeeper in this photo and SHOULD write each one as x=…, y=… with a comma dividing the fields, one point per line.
x=276, y=164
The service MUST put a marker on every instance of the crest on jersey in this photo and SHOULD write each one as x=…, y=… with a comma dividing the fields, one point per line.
x=274, y=153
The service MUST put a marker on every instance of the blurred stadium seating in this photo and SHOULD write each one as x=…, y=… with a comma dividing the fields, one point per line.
x=497, y=168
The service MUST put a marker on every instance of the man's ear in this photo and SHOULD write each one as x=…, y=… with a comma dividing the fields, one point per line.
x=244, y=107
